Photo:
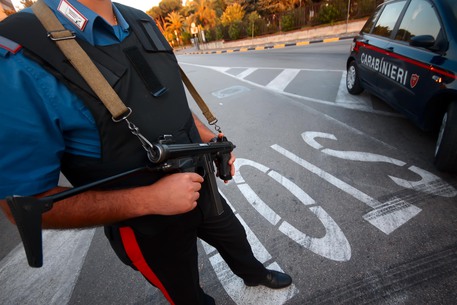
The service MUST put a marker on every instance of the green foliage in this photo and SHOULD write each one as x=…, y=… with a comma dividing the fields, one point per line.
x=238, y=19
x=328, y=14
x=234, y=30
x=287, y=23
x=219, y=33
x=253, y=20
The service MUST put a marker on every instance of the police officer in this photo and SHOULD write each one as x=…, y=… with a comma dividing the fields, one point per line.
x=51, y=122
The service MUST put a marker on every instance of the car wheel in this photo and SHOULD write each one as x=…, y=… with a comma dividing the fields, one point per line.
x=446, y=145
x=352, y=79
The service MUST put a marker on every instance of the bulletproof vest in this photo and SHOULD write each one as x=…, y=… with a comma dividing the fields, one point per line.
x=143, y=71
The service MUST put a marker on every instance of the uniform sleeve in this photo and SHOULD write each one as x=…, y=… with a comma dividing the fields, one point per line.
x=37, y=117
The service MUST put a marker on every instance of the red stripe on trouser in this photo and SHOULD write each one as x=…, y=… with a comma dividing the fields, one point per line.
x=135, y=255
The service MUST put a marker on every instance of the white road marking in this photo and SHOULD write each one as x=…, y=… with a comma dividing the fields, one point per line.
x=246, y=73
x=310, y=138
x=333, y=245
x=234, y=286
x=429, y=183
x=387, y=216
x=64, y=253
x=280, y=82
x=353, y=102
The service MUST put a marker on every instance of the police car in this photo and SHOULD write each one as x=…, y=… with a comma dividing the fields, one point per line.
x=406, y=54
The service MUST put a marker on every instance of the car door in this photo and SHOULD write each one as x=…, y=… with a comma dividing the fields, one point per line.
x=373, y=46
x=412, y=79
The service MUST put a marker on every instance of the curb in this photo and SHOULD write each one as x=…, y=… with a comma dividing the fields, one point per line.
x=266, y=47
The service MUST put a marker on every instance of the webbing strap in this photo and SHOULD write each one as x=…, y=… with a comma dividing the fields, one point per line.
x=198, y=99
x=145, y=72
x=79, y=59
x=84, y=65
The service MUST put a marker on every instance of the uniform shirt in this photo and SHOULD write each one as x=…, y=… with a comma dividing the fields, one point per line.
x=40, y=117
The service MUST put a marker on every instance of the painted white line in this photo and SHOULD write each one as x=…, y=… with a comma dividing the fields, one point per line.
x=387, y=217
x=234, y=286
x=246, y=73
x=280, y=82
x=256, y=202
x=333, y=245
x=429, y=183
x=310, y=138
x=369, y=109
x=52, y=284
x=349, y=100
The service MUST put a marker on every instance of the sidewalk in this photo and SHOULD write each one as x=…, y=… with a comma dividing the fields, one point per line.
x=317, y=34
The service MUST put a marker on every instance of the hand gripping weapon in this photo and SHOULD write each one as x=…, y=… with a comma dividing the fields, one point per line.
x=165, y=157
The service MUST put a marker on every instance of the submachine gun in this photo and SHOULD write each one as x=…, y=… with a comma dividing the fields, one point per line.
x=164, y=156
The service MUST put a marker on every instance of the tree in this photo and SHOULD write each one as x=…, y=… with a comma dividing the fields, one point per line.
x=27, y=3
x=277, y=7
x=233, y=13
x=155, y=12
x=203, y=13
x=168, y=6
x=175, y=24
x=175, y=21
x=253, y=17
x=219, y=6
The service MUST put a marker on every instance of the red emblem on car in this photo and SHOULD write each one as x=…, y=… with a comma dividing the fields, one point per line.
x=414, y=80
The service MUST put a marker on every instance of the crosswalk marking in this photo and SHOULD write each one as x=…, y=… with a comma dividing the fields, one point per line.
x=280, y=82
x=52, y=284
x=246, y=73
x=286, y=76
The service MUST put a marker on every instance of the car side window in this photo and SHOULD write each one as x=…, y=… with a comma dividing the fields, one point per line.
x=420, y=19
x=370, y=22
x=389, y=16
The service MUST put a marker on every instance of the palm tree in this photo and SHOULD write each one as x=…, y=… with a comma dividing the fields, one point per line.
x=204, y=14
x=175, y=24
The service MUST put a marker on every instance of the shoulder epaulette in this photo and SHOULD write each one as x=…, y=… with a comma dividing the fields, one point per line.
x=9, y=45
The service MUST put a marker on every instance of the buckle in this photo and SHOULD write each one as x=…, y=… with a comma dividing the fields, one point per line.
x=124, y=117
x=61, y=35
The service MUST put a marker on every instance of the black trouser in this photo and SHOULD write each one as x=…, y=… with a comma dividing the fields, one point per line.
x=169, y=251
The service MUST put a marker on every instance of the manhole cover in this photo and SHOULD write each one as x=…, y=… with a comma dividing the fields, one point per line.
x=230, y=91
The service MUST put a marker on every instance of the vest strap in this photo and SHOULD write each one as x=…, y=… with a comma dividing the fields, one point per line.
x=144, y=70
x=79, y=59
x=84, y=65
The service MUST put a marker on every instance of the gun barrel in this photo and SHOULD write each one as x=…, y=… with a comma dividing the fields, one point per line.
x=163, y=152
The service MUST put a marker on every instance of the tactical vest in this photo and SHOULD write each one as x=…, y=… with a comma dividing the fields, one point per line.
x=143, y=71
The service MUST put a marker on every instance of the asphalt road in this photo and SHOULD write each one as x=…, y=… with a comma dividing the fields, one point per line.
x=338, y=191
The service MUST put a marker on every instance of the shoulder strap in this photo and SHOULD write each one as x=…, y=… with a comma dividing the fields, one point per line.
x=84, y=65
x=153, y=40
x=66, y=42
